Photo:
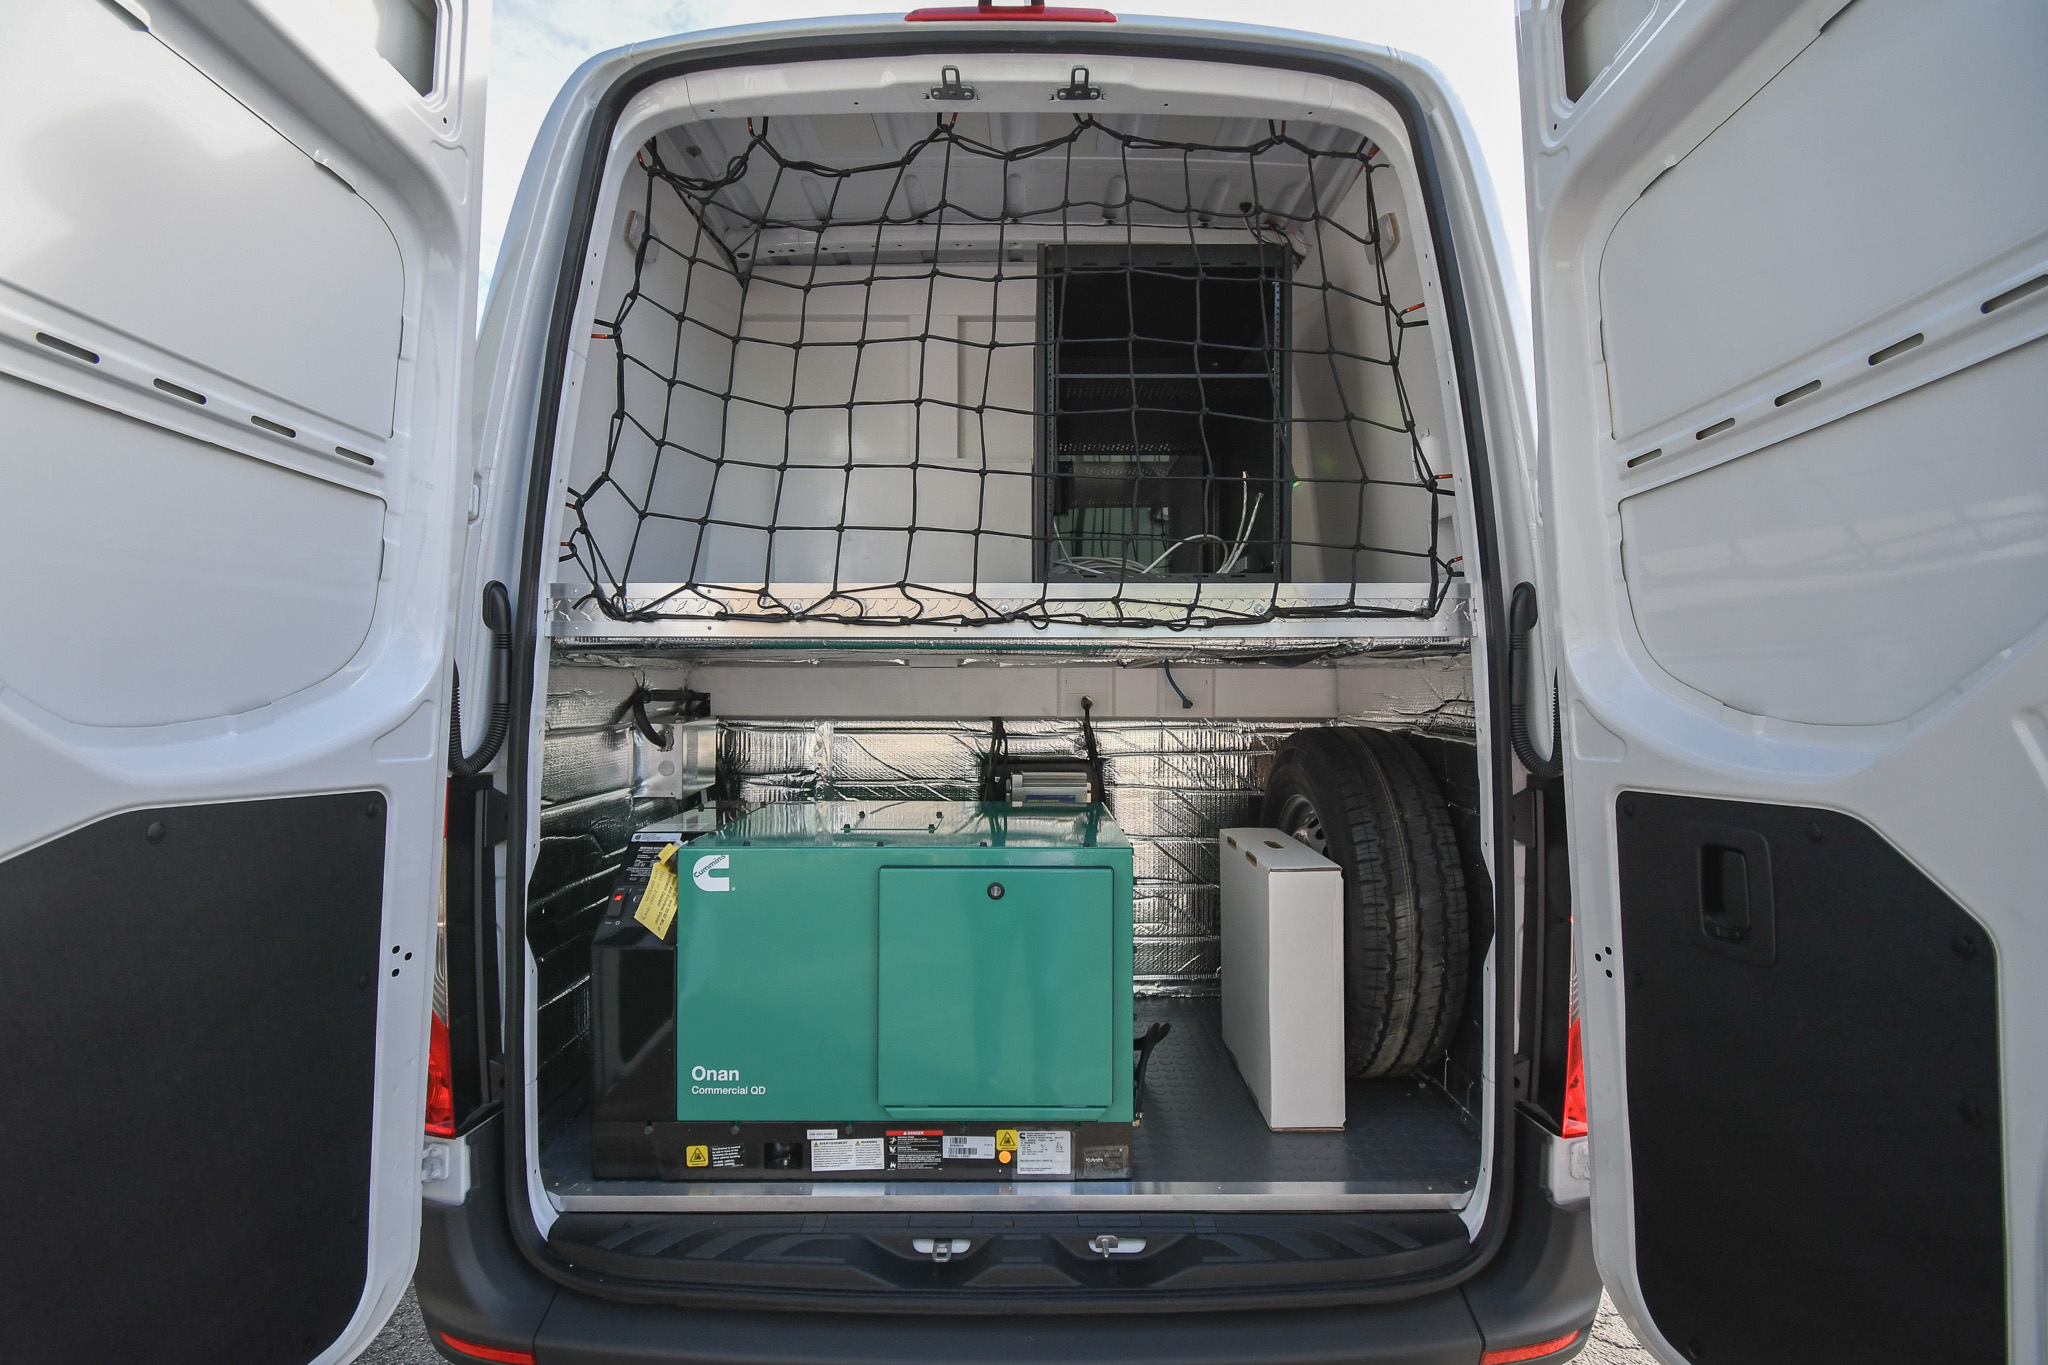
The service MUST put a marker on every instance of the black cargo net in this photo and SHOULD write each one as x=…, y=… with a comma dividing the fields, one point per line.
x=1102, y=378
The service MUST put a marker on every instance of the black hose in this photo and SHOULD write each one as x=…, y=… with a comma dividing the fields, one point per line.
x=689, y=706
x=1185, y=703
x=1522, y=620
x=1095, y=784
x=498, y=620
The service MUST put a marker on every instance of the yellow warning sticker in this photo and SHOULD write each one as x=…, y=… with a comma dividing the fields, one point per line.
x=658, y=903
x=1006, y=1139
x=696, y=1156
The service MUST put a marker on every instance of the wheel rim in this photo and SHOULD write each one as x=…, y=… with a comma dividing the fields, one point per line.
x=1300, y=820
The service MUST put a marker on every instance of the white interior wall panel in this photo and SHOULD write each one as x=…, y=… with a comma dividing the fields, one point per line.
x=1802, y=346
x=185, y=222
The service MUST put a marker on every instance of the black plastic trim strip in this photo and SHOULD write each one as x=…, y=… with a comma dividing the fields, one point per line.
x=476, y=826
x=533, y=563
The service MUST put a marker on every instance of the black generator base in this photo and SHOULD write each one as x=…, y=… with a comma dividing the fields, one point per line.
x=814, y=1152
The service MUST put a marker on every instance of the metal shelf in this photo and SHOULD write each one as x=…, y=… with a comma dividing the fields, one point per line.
x=1229, y=607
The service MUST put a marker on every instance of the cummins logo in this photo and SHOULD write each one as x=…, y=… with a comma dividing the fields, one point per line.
x=705, y=873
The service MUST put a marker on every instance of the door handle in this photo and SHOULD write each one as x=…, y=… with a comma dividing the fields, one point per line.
x=1521, y=663
x=497, y=612
x=1737, y=911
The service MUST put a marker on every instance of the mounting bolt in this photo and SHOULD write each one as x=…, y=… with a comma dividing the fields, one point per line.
x=155, y=832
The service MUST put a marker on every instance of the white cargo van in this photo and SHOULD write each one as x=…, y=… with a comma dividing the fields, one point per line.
x=1008, y=429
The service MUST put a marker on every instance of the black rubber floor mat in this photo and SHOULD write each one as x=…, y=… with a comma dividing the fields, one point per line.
x=1201, y=1122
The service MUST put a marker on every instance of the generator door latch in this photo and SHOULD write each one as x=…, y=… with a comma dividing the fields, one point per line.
x=1077, y=87
x=1109, y=1244
x=949, y=86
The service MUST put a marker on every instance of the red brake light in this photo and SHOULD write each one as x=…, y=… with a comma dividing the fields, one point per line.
x=478, y=1351
x=1574, y=1084
x=988, y=9
x=1508, y=1355
x=441, y=1090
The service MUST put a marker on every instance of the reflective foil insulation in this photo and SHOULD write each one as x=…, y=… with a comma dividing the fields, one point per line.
x=1171, y=785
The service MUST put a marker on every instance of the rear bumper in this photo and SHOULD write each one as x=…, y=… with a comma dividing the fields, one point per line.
x=474, y=1285
x=1437, y=1330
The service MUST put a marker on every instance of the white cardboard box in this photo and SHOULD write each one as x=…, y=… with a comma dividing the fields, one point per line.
x=1283, y=976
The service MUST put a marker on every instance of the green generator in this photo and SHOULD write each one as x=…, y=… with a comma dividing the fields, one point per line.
x=952, y=963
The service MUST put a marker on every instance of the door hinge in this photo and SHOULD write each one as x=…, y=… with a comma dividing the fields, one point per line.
x=1522, y=816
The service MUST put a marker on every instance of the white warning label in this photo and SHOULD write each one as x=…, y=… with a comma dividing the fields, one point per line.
x=963, y=1148
x=1045, y=1151
x=848, y=1154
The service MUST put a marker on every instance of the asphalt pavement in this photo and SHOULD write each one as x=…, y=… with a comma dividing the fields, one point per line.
x=404, y=1340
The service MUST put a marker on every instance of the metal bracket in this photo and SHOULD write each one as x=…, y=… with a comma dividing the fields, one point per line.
x=689, y=706
x=940, y=1249
x=444, y=1171
x=1077, y=87
x=949, y=86
x=1567, y=1170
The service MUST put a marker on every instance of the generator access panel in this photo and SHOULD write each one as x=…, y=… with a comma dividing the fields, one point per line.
x=848, y=963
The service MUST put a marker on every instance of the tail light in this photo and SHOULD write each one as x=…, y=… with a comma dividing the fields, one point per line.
x=440, y=1082
x=1510, y=1355
x=1574, y=1085
x=1574, y=1061
x=474, y=1350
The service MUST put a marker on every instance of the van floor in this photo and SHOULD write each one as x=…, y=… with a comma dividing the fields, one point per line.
x=1200, y=1124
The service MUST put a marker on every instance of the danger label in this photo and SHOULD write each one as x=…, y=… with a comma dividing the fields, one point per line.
x=695, y=1155
x=848, y=1154
x=1045, y=1151
x=914, y=1151
x=963, y=1148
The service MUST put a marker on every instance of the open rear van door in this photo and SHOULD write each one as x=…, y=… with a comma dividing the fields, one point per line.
x=1791, y=276
x=237, y=286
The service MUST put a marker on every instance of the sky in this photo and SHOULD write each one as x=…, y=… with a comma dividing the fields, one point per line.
x=537, y=44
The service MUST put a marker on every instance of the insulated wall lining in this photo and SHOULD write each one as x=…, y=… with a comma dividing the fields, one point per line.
x=587, y=818
x=1171, y=785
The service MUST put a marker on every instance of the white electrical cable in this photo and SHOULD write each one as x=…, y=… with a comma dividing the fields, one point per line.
x=1100, y=566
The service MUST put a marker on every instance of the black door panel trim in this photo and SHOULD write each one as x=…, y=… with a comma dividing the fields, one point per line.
x=1814, y=1129
x=188, y=1055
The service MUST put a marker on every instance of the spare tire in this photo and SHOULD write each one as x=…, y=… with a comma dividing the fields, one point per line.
x=1365, y=800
